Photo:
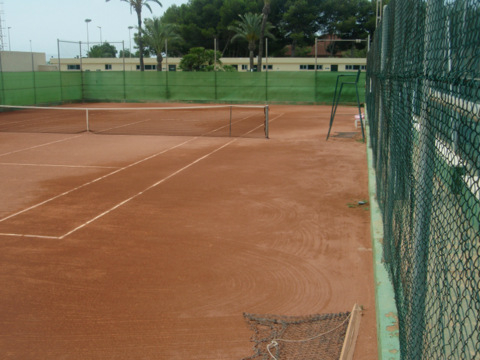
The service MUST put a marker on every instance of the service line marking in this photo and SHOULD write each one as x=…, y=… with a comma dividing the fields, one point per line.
x=158, y=182
x=93, y=181
x=37, y=146
x=126, y=200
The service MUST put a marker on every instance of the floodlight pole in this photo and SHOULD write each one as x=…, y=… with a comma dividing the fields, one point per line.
x=9, y=42
x=88, y=40
x=130, y=38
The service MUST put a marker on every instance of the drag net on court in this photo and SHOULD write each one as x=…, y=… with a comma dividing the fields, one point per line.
x=423, y=102
x=310, y=337
x=219, y=120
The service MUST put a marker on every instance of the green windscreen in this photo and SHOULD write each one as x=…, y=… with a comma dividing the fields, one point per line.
x=31, y=88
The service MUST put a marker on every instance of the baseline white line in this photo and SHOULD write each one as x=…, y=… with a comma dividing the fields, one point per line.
x=62, y=166
x=37, y=146
x=31, y=236
x=94, y=181
x=147, y=189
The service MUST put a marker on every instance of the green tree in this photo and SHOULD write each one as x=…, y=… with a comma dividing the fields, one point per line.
x=125, y=53
x=249, y=29
x=200, y=21
x=138, y=5
x=199, y=59
x=349, y=19
x=299, y=23
x=154, y=36
x=104, y=50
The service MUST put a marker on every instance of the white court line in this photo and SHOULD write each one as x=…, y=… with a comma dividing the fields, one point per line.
x=173, y=119
x=129, y=199
x=31, y=236
x=63, y=166
x=148, y=188
x=158, y=183
x=121, y=126
x=93, y=181
x=37, y=146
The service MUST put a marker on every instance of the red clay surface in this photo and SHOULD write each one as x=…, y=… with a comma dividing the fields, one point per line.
x=152, y=247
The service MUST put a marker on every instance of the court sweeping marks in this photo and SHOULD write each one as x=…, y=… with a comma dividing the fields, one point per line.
x=60, y=237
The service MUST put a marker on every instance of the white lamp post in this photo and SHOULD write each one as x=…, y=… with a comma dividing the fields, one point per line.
x=9, y=42
x=130, y=38
x=88, y=40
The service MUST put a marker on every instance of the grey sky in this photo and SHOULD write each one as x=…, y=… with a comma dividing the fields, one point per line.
x=43, y=22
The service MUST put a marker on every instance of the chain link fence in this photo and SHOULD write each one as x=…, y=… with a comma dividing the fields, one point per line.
x=423, y=102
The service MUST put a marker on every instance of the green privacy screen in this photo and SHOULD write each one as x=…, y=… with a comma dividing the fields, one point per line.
x=423, y=102
x=31, y=88
x=27, y=88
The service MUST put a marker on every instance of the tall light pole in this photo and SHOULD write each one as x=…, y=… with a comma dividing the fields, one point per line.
x=9, y=43
x=88, y=40
x=130, y=38
x=101, y=42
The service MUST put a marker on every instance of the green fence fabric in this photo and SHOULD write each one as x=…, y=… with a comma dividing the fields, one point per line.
x=32, y=88
x=423, y=102
x=27, y=88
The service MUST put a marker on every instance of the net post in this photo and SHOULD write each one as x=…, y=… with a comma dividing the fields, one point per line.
x=88, y=125
x=266, y=122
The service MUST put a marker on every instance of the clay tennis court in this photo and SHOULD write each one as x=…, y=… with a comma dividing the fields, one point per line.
x=153, y=246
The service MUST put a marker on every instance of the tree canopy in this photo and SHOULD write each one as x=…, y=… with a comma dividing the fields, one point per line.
x=200, y=59
x=138, y=5
x=249, y=28
x=104, y=50
x=155, y=35
x=293, y=24
x=296, y=22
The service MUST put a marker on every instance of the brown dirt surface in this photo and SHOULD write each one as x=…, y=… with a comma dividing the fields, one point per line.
x=153, y=247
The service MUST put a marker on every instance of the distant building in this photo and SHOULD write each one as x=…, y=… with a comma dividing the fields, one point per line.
x=16, y=61
x=241, y=64
x=20, y=61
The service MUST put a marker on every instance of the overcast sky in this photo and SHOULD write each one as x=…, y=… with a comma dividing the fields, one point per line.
x=41, y=22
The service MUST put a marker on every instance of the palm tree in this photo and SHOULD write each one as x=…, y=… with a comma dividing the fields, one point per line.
x=265, y=13
x=154, y=36
x=249, y=29
x=138, y=5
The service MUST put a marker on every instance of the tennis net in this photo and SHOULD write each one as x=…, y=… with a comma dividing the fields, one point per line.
x=212, y=120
